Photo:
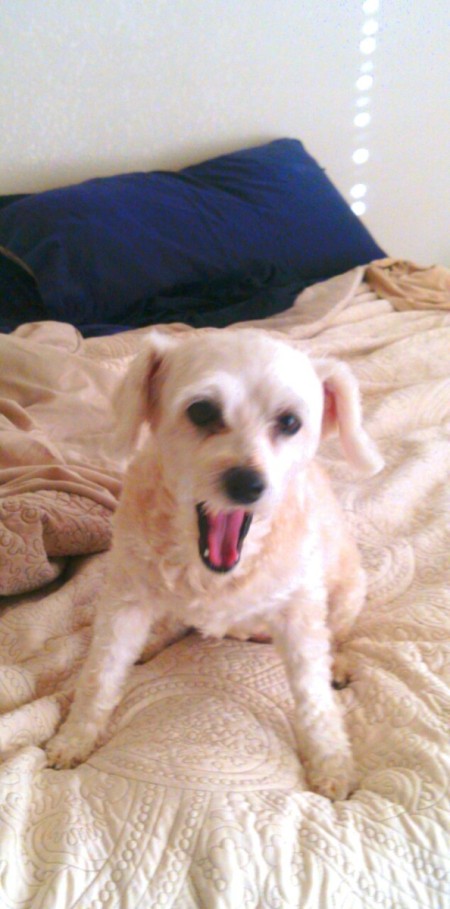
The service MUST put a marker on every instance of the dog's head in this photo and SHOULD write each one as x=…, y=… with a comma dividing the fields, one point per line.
x=235, y=416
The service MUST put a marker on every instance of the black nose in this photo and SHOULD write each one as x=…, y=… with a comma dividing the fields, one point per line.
x=243, y=485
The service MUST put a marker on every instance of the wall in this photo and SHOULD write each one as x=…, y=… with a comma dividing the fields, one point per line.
x=92, y=87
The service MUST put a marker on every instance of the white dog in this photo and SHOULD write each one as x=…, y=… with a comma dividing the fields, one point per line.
x=226, y=523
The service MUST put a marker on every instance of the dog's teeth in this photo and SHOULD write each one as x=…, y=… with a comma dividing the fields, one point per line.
x=206, y=553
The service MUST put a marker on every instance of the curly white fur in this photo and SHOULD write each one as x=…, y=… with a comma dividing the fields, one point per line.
x=299, y=575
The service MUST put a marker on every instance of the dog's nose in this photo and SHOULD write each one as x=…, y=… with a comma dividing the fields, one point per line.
x=243, y=485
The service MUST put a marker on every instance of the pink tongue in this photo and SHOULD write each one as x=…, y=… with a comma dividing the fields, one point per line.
x=223, y=538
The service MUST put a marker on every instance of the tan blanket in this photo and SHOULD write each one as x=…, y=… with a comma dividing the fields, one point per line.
x=197, y=799
x=410, y=286
x=56, y=489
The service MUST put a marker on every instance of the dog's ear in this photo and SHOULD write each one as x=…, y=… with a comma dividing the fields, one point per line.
x=342, y=414
x=136, y=399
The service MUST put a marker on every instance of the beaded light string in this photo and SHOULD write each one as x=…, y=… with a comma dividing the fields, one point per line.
x=363, y=117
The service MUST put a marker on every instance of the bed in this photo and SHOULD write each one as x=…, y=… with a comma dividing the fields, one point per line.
x=197, y=798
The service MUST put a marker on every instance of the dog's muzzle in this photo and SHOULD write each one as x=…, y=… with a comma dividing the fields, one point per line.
x=221, y=537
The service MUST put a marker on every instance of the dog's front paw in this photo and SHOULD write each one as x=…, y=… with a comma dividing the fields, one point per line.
x=71, y=745
x=341, y=673
x=333, y=778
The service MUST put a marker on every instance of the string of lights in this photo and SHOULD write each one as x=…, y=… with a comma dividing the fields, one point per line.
x=363, y=117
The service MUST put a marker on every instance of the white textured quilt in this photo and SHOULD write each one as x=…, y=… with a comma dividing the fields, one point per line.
x=198, y=800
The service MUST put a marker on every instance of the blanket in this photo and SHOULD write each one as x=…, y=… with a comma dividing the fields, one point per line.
x=56, y=489
x=197, y=798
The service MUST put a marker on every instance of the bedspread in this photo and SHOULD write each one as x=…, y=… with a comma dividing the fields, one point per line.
x=197, y=799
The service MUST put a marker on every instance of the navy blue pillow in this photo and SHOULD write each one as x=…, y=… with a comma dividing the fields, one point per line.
x=20, y=300
x=100, y=247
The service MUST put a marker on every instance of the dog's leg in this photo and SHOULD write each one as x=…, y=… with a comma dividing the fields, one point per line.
x=163, y=633
x=303, y=640
x=119, y=636
x=345, y=603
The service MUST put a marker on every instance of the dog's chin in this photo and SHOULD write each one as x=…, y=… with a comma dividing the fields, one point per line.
x=221, y=537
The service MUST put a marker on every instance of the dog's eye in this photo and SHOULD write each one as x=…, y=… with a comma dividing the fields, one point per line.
x=205, y=414
x=288, y=424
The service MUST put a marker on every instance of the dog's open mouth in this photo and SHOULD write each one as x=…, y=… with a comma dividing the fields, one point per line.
x=221, y=537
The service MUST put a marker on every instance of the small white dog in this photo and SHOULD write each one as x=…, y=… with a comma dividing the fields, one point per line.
x=226, y=524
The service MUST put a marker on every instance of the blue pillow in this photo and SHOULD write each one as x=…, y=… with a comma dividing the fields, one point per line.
x=19, y=295
x=100, y=247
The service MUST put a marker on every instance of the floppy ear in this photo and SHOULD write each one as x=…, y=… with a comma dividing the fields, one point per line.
x=136, y=399
x=342, y=414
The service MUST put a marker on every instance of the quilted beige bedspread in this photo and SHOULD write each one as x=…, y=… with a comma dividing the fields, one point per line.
x=197, y=800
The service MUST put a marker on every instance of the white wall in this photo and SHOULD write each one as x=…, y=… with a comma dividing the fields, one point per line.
x=92, y=87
